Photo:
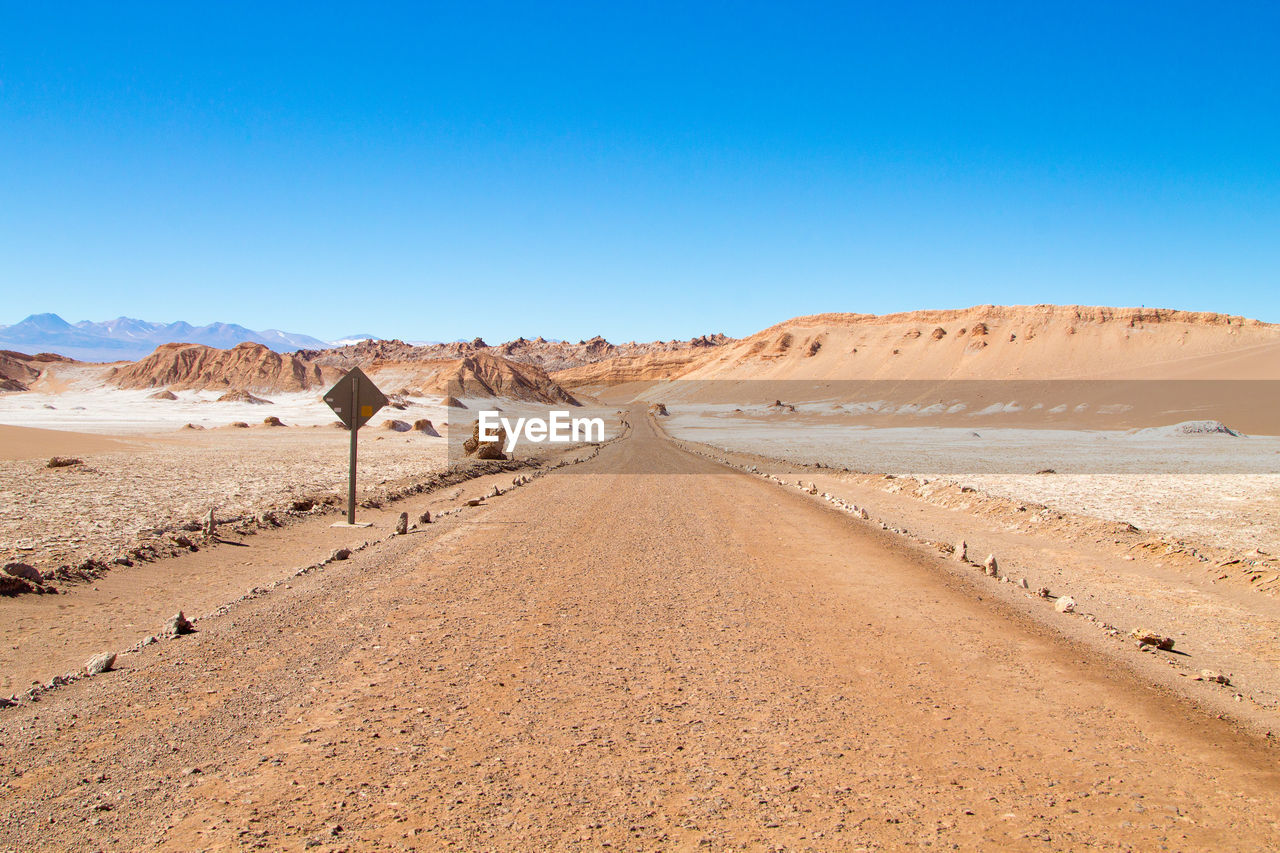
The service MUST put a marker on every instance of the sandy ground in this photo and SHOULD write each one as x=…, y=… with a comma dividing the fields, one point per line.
x=43, y=636
x=31, y=443
x=55, y=516
x=1221, y=490
x=548, y=673
x=144, y=475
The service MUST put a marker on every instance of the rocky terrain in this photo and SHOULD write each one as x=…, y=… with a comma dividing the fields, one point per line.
x=245, y=367
x=550, y=356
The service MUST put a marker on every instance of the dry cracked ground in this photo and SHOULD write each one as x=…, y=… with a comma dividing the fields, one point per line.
x=646, y=651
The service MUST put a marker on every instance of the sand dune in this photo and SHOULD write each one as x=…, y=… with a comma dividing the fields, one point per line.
x=30, y=443
x=983, y=342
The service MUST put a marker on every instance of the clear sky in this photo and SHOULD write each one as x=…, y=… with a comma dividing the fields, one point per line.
x=638, y=170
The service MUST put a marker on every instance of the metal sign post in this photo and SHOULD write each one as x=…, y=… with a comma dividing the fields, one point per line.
x=365, y=399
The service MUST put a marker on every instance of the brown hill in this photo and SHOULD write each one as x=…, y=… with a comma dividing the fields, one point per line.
x=480, y=375
x=950, y=365
x=246, y=367
x=19, y=370
x=1002, y=342
x=652, y=367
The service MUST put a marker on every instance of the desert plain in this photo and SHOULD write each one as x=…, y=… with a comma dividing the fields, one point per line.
x=848, y=583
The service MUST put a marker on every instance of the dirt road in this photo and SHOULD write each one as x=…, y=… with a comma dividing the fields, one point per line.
x=643, y=652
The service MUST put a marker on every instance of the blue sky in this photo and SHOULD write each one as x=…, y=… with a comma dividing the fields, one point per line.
x=636, y=170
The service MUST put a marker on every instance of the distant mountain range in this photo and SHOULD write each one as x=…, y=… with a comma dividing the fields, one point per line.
x=126, y=339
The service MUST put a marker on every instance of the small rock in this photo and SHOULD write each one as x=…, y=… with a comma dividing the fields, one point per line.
x=10, y=585
x=340, y=554
x=99, y=664
x=22, y=570
x=402, y=524
x=178, y=625
x=63, y=462
x=1065, y=604
x=425, y=518
x=1022, y=582
x=1151, y=638
x=1214, y=676
x=1044, y=592
x=989, y=566
x=962, y=551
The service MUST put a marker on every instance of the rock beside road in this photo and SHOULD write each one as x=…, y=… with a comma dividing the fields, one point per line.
x=178, y=625
x=99, y=664
x=22, y=570
x=1150, y=638
x=10, y=586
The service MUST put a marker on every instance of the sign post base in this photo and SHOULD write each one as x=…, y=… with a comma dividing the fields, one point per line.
x=357, y=524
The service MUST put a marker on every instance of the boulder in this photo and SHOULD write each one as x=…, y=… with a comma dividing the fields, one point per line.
x=425, y=518
x=402, y=524
x=340, y=554
x=396, y=426
x=178, y=625
x=272, y=421
x=962, y=551
x=162, y=395
x=990, y=567
x=63, y=462
x=425, y=427
x=1065, y=604
x=99, y=664
x=487, y=449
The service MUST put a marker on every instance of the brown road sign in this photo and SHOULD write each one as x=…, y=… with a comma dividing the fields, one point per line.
x=355, y=399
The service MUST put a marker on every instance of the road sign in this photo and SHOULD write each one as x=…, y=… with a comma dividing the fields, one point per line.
x=354, y=399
